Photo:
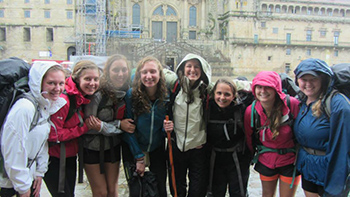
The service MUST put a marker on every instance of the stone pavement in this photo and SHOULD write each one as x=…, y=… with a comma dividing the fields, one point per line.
x=83, y=189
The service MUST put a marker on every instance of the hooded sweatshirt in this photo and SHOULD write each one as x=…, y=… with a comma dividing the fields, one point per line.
x=325, y=134
x=18, y=144
x=285, y=138
x=189, y=125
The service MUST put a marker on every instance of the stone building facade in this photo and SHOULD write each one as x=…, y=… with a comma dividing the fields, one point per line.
x=237, y=37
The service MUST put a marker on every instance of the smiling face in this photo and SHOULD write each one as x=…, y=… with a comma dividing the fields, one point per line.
x=89, y=81
x=223, y=95
x=310, y=86
x=193, y=70
x=265, y=94
x=53, y=84
x=119, y=73
x=150, y=74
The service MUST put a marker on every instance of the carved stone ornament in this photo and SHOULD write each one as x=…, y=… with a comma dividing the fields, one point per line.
x=194, y=2
x=136, y=1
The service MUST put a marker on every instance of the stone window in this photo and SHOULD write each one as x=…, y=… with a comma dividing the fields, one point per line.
x=136, y=14
x=47, y=14
x=2, y=33
x=26, y=34
x=193, y=16
x=192, y=35
x=69, y=14
x=26, y=13
x=288, y=51
x=308, y=35
x=49, y=35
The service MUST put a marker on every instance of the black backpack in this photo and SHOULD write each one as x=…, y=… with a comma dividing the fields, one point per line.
x=13, y=83
x=341, y=85
x=288, y=85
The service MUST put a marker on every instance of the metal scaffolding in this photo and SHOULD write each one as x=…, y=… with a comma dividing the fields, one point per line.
x=90, y=27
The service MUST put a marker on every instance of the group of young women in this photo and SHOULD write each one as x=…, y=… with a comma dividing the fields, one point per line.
x=214, y=137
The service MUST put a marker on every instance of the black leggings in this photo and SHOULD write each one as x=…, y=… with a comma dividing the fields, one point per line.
x=52, y=176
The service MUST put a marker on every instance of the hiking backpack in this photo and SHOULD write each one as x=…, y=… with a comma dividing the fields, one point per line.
x=13, y=82
x=288, y=85
x=14, y=86
x=341, y=85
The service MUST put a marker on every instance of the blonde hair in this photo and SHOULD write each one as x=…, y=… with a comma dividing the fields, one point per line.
x=140, y=100
x=81, y=66
x=317, y=109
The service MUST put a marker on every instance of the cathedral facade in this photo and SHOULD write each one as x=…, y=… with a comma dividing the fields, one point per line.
x=237, y=37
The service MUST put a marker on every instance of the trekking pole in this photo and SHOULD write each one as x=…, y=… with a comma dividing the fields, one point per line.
x=171, y=159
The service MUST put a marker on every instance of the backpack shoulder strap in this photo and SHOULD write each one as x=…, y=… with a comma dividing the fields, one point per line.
x=174, y=91
x=327, y=103
x=103, y=102
x=36, y=118
x=291, y=115
x=73, y=109
x=327, y=108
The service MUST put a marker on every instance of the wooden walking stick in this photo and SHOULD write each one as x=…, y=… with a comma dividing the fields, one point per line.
x=171, y=159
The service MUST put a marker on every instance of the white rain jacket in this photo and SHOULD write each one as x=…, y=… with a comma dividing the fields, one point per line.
x=18, y=145
x=189, y=125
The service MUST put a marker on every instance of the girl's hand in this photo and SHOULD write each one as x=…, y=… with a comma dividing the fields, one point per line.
x=93, y=123
x=168, y=125
x=37, y=186
x=127, y=125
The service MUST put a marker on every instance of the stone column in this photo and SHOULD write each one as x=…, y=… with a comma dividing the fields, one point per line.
x=203, y=18
x=185, y=20
x=145, y=13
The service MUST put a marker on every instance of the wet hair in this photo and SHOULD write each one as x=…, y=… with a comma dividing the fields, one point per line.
x=54, y=69
x=140, y=99
x=317, y=109
x=80, y=67
x=106, y=84
x=186, y=87
x=227, y=82
x=275, y=116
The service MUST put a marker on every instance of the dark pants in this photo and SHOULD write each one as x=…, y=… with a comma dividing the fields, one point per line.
x=9, y=192
x=157, y=165
x=225, y=173
x=195, y=162
x=51, y=177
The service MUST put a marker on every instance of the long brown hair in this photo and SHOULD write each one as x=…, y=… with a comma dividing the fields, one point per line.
x=140, y=99
x=275, y=116
x=186, y=87
x=106, y=84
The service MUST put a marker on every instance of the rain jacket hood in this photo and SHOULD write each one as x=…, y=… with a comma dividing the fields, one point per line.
x=36, y=76
x=313, y=64
x=269, y=79
x=206, y=69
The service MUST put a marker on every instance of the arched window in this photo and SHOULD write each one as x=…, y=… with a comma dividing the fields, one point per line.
x=170, y=11
x=136, y=14
x=193, y=16
x=159, y=11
